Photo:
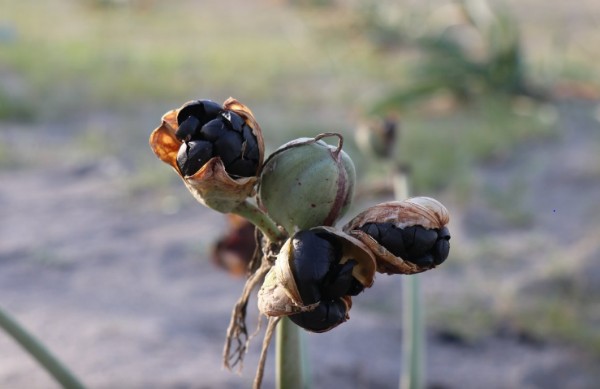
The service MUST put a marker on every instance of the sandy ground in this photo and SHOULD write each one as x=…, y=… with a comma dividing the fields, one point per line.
x=120, y=287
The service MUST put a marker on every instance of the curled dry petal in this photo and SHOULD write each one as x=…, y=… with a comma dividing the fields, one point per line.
x=211, y=185
x=422, y=213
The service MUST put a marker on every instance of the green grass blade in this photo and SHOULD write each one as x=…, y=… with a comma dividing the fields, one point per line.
x=39, y=352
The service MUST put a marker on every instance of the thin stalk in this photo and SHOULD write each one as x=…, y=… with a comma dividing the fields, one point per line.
x=412, y=374
x=261, y=220
x=413, y=347
x=39, y=352
x=291, y=365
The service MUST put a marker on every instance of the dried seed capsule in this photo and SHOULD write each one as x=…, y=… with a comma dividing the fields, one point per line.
x=307, y=183
x=204, y=120
x=314, y=276
x=406, y=236
x=220, y=176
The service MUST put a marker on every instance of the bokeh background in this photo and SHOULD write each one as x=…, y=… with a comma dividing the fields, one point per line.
x=106, y=258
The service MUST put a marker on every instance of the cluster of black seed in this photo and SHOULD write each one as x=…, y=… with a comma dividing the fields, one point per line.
x=207, y=130
x=424, y=247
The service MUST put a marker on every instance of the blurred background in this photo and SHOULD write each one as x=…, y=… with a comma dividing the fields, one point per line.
x=107, y=259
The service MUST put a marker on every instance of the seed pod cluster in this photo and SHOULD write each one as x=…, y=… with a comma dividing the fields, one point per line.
x=316, y=273
x=407, y=237
x=208, y=130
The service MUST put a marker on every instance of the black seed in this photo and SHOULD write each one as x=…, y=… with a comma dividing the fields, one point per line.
x=424, y=262
x=338, y=280
x=408, y=235
x=372, y=230
x=242, y=168
x=187, y=129
x=325, y=316
x=203, y=110
x=444, y=233
x=312, y=257
x=212, y=130
x=193, y=155
x=393, y=241
x=228, y=146
x=234, y=120
x=441, y=250
x=424, y=238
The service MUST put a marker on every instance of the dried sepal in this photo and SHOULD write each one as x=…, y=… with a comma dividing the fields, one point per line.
x=424, y=213
x=211, y=185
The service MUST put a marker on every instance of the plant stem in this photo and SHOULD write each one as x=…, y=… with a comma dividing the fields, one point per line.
x=413, y=348
x=261, y=220
x=412, y=374
x=39, y=352
x=291, y=367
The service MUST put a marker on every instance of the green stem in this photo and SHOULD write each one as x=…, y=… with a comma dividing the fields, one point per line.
x=39, y=352
x=413, y=337
x=291, y=365
x=261, y=220
x=413, y=348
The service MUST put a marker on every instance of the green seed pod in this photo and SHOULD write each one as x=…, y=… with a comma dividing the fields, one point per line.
x=307, y=183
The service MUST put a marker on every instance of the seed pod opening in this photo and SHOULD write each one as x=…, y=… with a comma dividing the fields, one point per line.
x=307, y=183
x=314, y=276
x=217, y=150
x=406, y=237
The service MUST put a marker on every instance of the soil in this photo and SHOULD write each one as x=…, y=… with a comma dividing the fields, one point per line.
x=120, y=287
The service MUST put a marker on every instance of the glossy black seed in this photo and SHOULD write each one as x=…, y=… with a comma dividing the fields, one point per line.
x=312, y=256
x=228, y=146
x=393, y=241
x=444, y=233
x=372, y=229
x=423, y=240
x=425, y=261
x=187, y=129
x=212, y=130
x=408, y=235
x=193, y=155
x=234, y=121
x=203, y=110
x=441, y=250
x=338, y=281
x=242, y=168
x=325, y=316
